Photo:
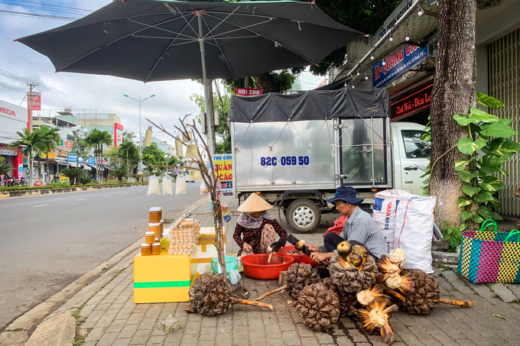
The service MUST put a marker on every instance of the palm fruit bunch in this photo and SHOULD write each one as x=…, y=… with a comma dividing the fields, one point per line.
x=300, y=275
x=346, y=301
x=376, y=315
x=211, y=295
x=353, y=270
x=390, y=273
x=318, y=305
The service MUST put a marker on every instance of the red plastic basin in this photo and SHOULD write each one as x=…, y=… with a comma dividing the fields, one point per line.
x=256, y=267
x=297, y=258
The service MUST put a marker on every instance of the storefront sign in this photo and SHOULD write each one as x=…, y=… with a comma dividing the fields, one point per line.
x=7, y=111
x=68, y=146
x=224, y=169
x=72, y=158
x=63, y=178
x=395, y=16
x=35, y=100
x=20, y=171
x=396, y=64
x=6, y=151
x=91, y=160
x=248, y=92
x=118, y=136
x=51, y=155
x=62, y=153
x=412, y=103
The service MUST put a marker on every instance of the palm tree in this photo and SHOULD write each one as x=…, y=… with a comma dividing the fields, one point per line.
x=50, y=137
x=4, y=169
x=32, y=144
x=96, y=139
x=73, y=174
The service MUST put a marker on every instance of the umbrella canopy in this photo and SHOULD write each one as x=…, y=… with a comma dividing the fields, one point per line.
x=169, y=40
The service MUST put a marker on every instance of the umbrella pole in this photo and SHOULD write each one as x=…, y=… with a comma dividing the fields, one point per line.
x=207, y=88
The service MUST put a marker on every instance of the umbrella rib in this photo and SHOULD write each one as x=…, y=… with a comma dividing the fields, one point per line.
x=241, y=28
x=120, y=38
x=162, y=29
x=267, y=38
x=221, y=22
x=166, y=49
x=221, y=51
x=196, y=34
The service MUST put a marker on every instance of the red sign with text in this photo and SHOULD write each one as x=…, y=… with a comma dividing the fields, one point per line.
x=248, y=92
x=36, y=101
x=413, y=103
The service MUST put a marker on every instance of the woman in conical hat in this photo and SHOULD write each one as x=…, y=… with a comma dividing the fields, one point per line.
x=256, y=228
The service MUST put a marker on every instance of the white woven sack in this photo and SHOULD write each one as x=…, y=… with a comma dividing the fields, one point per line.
x=167, y=185
x=153, y=186
x=413, y=231
x=180, y=185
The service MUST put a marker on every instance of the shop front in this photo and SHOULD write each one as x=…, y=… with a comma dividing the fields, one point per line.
x=13, y=119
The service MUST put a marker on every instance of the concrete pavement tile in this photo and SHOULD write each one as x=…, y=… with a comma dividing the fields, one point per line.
x=309, y=341
x=148, y=323
x=255, y=336
x=176, y=337
x=324, y=338
x=482, y=290
x=124, y=314
x=116, y=306
x=105, y=321
x=410, y=339
x=304, y=331
x=128, y=331
x=95, y=334
x=142, y=307
x=192, y=328
x=156, y=340
x=357, y=336
x=287, y=327
x=498, y=341
x=456, y=282
x=140, y=337
x=273, y=332
x=505, y=294
x=376, y=340
x=475, y=338
x=344, y=341
x=337, y=331
x=116, y=326
x=275, y=342
x=121, y=342
x=135, y=318
x=107, y=339
x=445, y=340
x=206, y=342
x=194, y=317
x=86, y=311
x=209, y=322
x=223, y=339
x=94, y=316
x=154, y=311
x=347, y=322
x=291, y=338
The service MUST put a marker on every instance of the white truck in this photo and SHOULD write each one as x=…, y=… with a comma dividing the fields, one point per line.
x=295, y=150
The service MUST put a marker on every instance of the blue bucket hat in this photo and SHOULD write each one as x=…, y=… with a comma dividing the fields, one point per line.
x=346, y=194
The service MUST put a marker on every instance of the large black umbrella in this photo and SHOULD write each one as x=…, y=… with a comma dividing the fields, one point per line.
x=167, y=40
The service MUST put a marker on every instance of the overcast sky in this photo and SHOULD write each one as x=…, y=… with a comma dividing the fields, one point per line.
x=102, y=93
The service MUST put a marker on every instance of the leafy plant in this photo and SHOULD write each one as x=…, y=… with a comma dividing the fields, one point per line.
x=85, y=179
x=453, y=236
x=72, y=173
x=4, y=168
x=58, y=184
x=120, y=173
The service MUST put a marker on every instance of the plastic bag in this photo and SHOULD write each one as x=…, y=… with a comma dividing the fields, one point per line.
x=153, y=186
x=167, y=185
x=413, y=231
x=203, y=188
x=226, y=214
x=180, y=186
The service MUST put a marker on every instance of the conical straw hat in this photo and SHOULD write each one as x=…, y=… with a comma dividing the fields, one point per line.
x=254, y=203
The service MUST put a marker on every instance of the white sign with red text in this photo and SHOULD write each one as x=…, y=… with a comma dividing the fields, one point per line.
x=36, y=100
x=13, y=119
x=248, y=92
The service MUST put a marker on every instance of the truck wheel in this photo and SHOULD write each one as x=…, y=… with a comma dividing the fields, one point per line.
x=303, y=215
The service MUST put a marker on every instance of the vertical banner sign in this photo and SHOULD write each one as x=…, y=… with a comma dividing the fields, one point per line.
x=248, y=92
x=224, y=169
x=35, y=100
x=118, y=137
x=397, y=64
x=68, y=145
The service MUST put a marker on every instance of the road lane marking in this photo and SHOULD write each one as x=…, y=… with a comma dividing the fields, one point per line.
x=80, y=199
x=43, y=205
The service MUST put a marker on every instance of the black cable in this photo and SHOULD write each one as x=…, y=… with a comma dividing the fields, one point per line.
x=25, y=14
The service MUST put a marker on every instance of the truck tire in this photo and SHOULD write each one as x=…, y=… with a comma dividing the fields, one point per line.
x=303, y=215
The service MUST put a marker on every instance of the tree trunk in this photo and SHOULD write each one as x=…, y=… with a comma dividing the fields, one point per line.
x=453, y=93
x=47, y=178
x=266, y=82
x=30, y=170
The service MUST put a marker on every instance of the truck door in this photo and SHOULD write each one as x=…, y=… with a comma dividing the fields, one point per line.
x=414, y=154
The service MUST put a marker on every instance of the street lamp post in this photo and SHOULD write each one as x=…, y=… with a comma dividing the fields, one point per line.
x=139, y=102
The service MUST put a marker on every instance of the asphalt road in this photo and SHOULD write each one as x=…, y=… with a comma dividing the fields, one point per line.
x=47, y=242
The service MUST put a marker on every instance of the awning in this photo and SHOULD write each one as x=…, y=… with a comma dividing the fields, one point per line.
x=91, y=165
x=62, y=162
x=86, y=167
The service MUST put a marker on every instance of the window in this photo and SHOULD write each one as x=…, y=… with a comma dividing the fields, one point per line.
x=413, y=145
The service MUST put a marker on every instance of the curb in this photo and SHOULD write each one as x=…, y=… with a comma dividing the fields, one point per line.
x=73, y=295
x=52, y=191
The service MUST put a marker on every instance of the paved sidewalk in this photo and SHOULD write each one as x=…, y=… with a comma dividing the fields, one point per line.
x=111, y=318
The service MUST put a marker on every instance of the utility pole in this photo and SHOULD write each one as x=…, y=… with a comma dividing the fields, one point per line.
x=31, y=85
x=140, y=102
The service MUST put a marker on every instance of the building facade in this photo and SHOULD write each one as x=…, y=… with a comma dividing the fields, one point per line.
x=13, y=119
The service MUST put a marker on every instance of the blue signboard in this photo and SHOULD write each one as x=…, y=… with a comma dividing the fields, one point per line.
x=71, y=158
x=91, y=160
x=396, y=64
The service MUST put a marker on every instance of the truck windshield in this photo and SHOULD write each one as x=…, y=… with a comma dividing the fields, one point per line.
x=413, y=145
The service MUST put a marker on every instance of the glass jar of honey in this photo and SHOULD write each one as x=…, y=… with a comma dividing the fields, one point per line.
x=156, y=249
x=149, y=238
x=156, y=228
x=146, y=249
x=155, y=215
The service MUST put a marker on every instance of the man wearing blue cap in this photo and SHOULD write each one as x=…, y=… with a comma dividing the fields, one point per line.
x=359, y=228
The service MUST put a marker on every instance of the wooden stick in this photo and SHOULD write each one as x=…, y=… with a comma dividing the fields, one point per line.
x=455, y=302
x=394, y=293
x=253, y=303
x=273, y=291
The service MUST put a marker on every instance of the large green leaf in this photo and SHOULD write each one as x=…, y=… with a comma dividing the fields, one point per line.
x=460, y=164
x=481, y=116
x=425, y=191
x=426, y=181
x=464, y=214
x=499, y=130
x=484, y=212
x=491, y=184
x=506, y=121
x=503, y=147
x=470, y=190
x=463, y=120
x=488, y=101
x=427, y=136
x=495, y=216
x=464, y=201
x=483, y=197
x=503, y=172
x=467, y=176
x=468, y=146
x=477, y=219
x=491, y=163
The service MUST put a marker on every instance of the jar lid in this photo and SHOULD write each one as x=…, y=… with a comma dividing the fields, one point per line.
x=154, y=224
x=150, y=233
x=145, y=245
x=155, y=209
x=156, y=244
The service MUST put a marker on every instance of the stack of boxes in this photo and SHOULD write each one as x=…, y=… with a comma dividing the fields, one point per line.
x=184, y=238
